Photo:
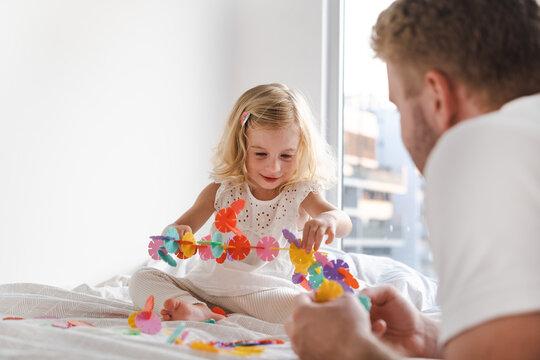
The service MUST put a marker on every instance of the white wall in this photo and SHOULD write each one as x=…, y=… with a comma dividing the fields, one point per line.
x=100, y=104
x=279, y=41
x=109, y=111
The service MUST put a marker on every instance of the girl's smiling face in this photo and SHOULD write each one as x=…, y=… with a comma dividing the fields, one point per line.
x=271, y=159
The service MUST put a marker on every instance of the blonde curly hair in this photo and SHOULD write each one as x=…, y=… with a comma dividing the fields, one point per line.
x=273, y=106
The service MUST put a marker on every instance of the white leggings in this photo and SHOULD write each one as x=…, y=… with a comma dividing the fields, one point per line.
x=273, y=305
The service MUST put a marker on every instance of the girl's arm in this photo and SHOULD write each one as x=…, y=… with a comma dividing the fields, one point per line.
x=326, y=220
x=193, y=219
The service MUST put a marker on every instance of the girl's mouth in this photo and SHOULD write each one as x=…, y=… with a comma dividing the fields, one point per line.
x=269, y=179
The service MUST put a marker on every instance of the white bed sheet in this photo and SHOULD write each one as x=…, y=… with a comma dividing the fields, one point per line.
x=108, y=305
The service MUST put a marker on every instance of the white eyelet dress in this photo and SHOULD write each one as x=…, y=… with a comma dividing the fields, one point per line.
x=262, y=289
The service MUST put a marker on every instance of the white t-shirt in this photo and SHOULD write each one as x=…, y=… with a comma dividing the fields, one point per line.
x=483, y=216
x=258, y=219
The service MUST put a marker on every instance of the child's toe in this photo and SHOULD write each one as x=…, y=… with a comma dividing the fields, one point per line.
x=171, y=304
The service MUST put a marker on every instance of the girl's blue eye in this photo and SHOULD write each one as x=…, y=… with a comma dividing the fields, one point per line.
x=286, y=156
x=260, y=154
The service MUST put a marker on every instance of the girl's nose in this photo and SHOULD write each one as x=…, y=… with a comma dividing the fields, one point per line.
x=273, y=165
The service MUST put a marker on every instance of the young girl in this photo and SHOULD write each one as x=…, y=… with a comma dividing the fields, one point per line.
x=271, y=156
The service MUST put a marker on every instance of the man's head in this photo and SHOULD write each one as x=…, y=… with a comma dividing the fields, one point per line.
x=449, y=60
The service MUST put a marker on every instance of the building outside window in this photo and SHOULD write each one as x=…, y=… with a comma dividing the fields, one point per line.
x=382, y=189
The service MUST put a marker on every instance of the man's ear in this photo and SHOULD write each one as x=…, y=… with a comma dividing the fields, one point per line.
x=441, y=100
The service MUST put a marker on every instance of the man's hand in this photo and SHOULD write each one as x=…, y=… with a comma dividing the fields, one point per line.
x=399, y=324
x=337, y=329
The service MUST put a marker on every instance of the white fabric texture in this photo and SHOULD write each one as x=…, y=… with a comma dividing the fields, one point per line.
x=108, y=306
x=257, y=219
x=482, y=213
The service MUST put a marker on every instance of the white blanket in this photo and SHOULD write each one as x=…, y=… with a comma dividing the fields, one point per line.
x=107, y=306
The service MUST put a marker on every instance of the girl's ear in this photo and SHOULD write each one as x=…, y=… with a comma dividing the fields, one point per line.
x=441, y=101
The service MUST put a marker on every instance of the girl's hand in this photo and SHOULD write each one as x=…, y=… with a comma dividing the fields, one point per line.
x=326, y=220
x=316, y=228
x=182, y=229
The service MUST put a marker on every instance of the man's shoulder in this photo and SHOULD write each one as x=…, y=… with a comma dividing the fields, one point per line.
x=507, y=136
x=520, y=116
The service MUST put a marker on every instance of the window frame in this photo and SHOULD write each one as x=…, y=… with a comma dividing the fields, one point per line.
x=332, y=91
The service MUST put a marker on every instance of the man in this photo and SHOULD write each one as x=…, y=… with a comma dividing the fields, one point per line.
x=465, y=77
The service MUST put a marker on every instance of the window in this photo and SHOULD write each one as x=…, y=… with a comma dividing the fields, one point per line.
x=382, y=190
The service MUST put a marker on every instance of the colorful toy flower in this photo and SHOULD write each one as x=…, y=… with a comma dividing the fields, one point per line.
x=153, y=247
x=221, y=259
x=331, y=272
x=148, y=324
x=131, y=319
x=145, y=320
x=228, y=257
x=225, y=220
x=217, y=245
x=316, y=275
x=173, y=337
x=297, y=278
x=322, y=259
x=188, y=245
x=348, y=278
x=247, y=350
x=239, y=247
x=80, y=323
x=329, y=289
x=219, y=311
x=171, y=240
x=264, y=248
x=291, y=238
x=238, y=205
x=366, y=301
x=166, y=257
x=199, y=345
x=300, y=259
x=300, y=279
x=205, y=251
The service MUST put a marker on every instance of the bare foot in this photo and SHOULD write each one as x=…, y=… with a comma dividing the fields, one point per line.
x=174, y=309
